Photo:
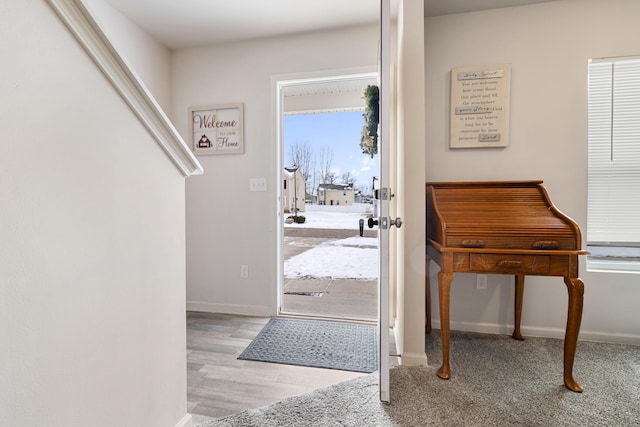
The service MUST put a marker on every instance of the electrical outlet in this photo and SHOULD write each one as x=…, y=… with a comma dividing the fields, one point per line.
x=244, y=271
x=481, y=281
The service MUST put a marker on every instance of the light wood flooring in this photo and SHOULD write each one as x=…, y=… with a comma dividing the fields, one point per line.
x=219, y=384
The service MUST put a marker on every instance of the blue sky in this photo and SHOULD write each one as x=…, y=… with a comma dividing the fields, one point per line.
x=339, y=131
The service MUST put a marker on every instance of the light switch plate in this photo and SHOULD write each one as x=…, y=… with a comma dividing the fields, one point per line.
x=258, y=184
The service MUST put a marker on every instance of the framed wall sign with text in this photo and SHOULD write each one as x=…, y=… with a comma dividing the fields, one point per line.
x=480, y=106
x=217, y=129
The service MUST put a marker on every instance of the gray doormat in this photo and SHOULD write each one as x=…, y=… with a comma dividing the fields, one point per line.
x=316, y=343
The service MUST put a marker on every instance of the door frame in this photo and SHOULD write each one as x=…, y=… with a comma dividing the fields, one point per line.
x=278, y=82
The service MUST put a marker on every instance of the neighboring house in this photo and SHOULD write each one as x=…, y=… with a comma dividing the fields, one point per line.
x=311, y=198
x=293, y=190
x=360, y=198
x=335, y=194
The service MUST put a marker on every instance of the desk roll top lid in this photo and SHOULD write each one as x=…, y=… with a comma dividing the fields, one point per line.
x=506, y=215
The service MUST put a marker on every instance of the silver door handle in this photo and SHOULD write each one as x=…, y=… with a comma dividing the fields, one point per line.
x=397, y=222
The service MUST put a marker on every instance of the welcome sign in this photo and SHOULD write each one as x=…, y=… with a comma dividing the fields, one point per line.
x=217, y=129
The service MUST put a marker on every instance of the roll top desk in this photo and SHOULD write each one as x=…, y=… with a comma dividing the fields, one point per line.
x=504, y=227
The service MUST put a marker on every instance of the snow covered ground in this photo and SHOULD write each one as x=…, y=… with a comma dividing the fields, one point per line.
x=351, y=258
x=339, y=217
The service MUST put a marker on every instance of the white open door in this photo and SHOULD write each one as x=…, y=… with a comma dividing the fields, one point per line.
x=402, y=113
x=384, y=196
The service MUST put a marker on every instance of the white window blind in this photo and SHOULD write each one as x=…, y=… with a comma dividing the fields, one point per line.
x=614, y=153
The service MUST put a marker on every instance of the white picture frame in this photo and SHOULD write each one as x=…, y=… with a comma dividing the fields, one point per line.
x=217, y=129
x=480, y=106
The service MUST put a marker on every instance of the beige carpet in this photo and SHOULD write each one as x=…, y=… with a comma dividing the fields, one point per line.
x=496, y=381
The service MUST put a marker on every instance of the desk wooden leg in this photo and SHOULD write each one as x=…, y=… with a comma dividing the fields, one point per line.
x=518, y=307
x=427, y=302
x=575, y=287
x=444, y=295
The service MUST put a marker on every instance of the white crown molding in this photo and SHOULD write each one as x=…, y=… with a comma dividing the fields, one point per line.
x=86, y=29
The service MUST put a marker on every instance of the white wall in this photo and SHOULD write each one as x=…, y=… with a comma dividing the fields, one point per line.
x=548, y=46
x=150, y=59
x=92, y=286
x=227, y=225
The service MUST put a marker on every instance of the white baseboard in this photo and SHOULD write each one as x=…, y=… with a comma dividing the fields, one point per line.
x=186, y=421
x=244, y=310
x=585, y=335
x=408, y=358
x=413, y=359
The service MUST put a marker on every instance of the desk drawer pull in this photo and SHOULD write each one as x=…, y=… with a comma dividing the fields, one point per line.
x=509, y=263
x=546, y=244
x=472, y=243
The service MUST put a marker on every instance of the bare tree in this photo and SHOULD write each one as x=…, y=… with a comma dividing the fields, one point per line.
x=301, y=155
x=365, y=190
x=326, y=158
x=348, y=178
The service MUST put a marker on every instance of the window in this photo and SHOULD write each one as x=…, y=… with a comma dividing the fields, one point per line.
x=613, y=227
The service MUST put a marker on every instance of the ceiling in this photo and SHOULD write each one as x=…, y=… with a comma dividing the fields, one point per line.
x=188, y=23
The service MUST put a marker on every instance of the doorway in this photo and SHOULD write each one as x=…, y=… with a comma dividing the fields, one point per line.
x=328, y=257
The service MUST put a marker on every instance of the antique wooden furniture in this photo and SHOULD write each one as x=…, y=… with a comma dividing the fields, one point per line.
x=502, y=228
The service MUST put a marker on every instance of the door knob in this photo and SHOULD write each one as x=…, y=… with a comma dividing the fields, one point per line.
x=373, y=221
